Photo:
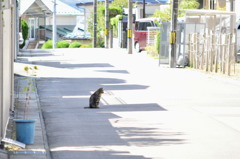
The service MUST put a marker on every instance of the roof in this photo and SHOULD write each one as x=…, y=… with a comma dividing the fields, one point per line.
x=36, y=7
x=81, y=2
x=207, y=12
x=62, y=8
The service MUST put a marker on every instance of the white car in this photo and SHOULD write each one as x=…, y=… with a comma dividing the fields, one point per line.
x=20, y=38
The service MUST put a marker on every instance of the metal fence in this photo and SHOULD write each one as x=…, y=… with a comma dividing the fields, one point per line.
x=151, y=35
x=183, y=30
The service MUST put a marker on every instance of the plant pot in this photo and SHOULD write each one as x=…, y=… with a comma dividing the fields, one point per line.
x=25, y=130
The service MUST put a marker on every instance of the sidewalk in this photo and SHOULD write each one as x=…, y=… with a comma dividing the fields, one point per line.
x=39, y=150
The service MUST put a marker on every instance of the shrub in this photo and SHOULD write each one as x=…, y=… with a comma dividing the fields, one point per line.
x=47, y=45
x=63, y=44
x=25, y=28
x=158, y=42
x=86, y=46
x=75, y=44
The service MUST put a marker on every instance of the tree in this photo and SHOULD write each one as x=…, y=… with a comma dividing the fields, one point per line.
x=120, y=3
x=165, y=15
x=113, y=11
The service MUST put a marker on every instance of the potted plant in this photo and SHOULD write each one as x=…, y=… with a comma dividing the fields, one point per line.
x=25, y=128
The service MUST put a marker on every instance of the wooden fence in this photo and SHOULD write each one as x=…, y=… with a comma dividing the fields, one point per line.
x=212, y=52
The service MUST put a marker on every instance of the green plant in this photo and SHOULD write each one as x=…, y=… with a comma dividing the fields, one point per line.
x=113, y=11
x=30, y=87
x=114, y=23
x=86, y=46
x=75, y=44
x=158, y=42
x=63, y=44
x=25, y=28
x=166, y=13
x=47, y=45
x=151, y=50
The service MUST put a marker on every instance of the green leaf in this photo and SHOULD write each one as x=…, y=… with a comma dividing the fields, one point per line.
x=33, y=89
x=25, y=89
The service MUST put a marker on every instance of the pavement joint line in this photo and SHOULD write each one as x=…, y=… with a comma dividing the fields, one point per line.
x=109, y=99
x=28, y=152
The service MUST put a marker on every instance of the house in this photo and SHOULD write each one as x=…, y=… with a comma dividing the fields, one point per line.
x=8, y=49
x=39, y=16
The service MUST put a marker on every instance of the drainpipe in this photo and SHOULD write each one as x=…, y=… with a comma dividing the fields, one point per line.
x=54, y=29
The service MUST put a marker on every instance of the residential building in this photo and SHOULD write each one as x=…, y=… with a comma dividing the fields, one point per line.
x=39, y=16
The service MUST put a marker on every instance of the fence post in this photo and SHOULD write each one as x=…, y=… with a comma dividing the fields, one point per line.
x=216, y=52
x=190, y=49
x=203, y=50
x=194, y=50
x=197, y=50
x=229, y=54
x=212, y=52
x=207, y=50
x=224, y=53
x=220, y=51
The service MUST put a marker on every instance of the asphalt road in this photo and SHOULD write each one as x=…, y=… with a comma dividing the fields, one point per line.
x=146, y=112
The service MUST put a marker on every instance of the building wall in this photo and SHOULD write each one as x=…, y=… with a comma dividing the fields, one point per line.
x=61, y=20
x=7, y=39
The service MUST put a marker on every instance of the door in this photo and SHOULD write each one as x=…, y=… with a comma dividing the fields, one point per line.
x=31, y=29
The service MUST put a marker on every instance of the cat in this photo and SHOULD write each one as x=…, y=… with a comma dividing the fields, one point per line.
x=95, y=98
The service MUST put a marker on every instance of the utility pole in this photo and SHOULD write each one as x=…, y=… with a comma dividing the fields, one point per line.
x=173, y=34
x=54, y=28
x=1, y=73
x=129, y=31
x=232, y=5
x=95, y=24
x=144, y=12
x=106, y=24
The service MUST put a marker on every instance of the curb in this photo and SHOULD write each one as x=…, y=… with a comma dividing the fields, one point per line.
x=44, y=133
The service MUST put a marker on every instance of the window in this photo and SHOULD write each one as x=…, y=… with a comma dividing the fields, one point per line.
x=142, y=26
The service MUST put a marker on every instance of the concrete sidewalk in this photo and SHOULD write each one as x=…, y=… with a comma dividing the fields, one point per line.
x=39, y=150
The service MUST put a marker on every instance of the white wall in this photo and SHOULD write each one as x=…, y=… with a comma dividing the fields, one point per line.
x=62, y=20
x=6, y=69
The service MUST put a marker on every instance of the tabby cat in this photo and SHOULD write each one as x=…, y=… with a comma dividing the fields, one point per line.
x=95, y=98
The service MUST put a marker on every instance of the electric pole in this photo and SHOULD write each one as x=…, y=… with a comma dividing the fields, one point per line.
x=144, y=12
x=54, y=28
x=129, y=31
x=173, y=34
x=95, y=24
x=106, y=24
